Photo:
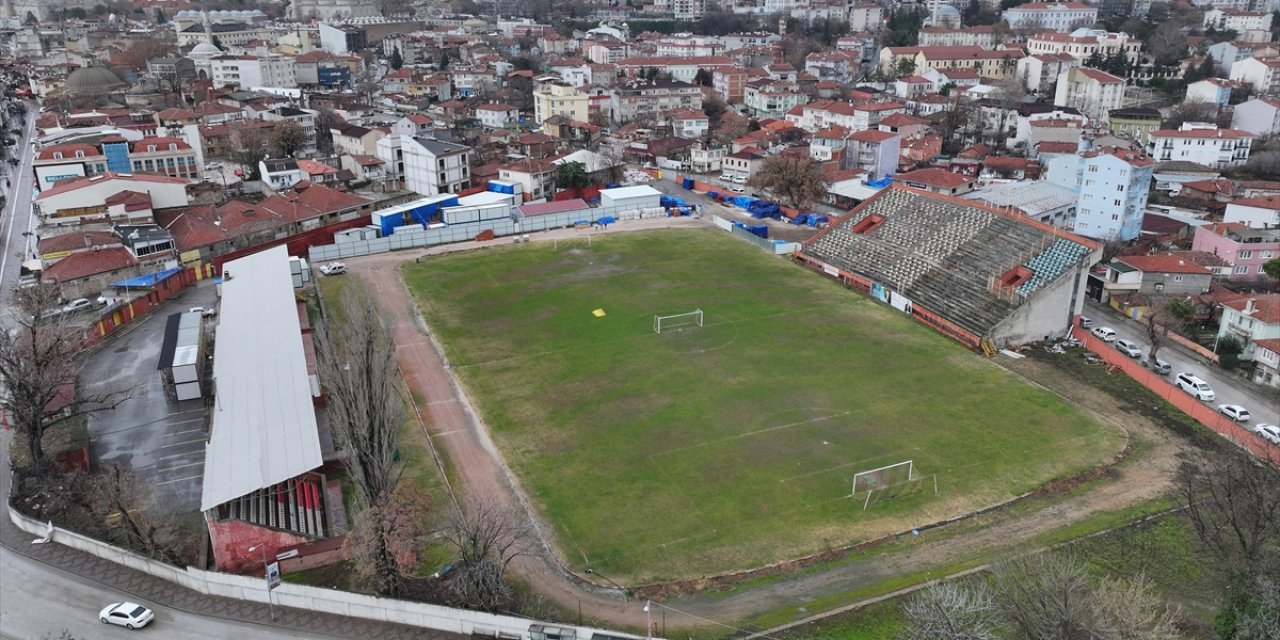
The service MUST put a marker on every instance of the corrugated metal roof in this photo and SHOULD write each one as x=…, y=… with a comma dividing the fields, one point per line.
x=264, y=425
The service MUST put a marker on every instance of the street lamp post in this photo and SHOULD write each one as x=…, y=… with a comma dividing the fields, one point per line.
x=624, y=590
x=648, y=621
x=270, y=601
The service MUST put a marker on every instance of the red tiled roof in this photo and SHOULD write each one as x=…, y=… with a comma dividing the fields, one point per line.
x=1263, y=202
x=68, y=151
x=873, y=136
x=132, y=200
x=1100, y=76
x=559, y=206
x=314, y=168
x=935, y=177
x=76, y=183
x=161, y=144
x=367, y=161
x=76, y=240
x=902, y=120
x=89, y=263
x=1164, y=263
x=1266, y=307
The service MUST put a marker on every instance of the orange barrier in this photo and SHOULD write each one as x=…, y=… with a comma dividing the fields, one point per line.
x=1202, y=413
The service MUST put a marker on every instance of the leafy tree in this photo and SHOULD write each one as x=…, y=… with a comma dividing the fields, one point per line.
x=1272, y=268
x=571, y=175
x=1229, y=350
x=703, y=78
x=397, y=59
x=159, y=16
x=904, y=27
x=288, y=138
x=797, y=180
x=444, y=60
x=714, y=107
x=78, y=13
x=39, y=357
x=905, y=67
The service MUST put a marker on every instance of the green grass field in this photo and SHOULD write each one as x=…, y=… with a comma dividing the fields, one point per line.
x=730, y=446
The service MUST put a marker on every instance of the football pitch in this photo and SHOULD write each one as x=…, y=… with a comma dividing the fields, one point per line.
x=704, y=450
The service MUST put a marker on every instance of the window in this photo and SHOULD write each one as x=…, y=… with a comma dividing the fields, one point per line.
x=1261, y=270
x=1088, y=183
x=1244, y=255
x=1115, y=216
x=1177, y=278
x=1119, y=187
x=57, y=155
x=1117, y=202
x=1264, y=254
x=1093, y=168
x=1242, y=270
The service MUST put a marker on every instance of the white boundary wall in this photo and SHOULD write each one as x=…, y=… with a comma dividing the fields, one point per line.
x=414, y=235
x=343, y=603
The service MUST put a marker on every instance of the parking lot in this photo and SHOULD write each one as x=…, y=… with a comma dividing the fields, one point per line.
x=162, y=442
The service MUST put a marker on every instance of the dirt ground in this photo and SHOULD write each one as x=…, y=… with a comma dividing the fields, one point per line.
x=482, y=476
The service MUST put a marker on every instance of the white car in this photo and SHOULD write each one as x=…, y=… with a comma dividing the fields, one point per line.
x=1235, y=412
x=333, y=269
x=1269, y=432
x=1107, y=334
x=725, y=177
x=207, y=312
x=740, y=179
x=1128, y=348
x=79, y=304
x=127, y=614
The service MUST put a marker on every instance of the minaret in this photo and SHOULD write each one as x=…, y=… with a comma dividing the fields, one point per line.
x=208, y=24
x=8, y=9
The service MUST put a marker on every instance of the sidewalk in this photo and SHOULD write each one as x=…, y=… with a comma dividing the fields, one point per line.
x=169, y=595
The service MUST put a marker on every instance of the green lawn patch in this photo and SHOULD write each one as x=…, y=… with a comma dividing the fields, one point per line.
x=732, y=445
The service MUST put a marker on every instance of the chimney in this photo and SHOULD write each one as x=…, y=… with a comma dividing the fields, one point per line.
x=1250, y=307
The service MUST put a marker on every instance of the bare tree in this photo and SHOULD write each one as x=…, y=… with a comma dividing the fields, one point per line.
x=1129, y=609
x=798, y=180
x=126, y=509
x=387, y=538
x=288, y=138
x=952, y=611
x=38, y=363
x=1257, y=616
x=1162, y=314
x=1234, y=507
x=486, y=539
x=1046, y=597
x=366, y=410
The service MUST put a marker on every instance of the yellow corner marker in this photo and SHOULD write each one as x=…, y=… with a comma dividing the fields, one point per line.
x=599, y=313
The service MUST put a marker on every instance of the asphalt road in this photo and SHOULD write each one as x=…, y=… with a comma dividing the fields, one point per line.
x=1264, y=404
x=17, y=224
x=36, y=599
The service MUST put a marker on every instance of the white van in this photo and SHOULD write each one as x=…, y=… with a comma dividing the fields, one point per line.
x=1194, y=386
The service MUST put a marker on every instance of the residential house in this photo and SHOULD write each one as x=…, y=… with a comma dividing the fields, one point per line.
x=1037, y=73
x=768, y=98
x=416, y=125
x=1259, y=212
x=537, y=177
x=1135, y=123
x=1211, y=91
x=1251, y=26
x=280, y=173
x=432, y=167
x=556, y=98
x=366, y=168
x=1259, y=116
x=650, y=99
x=1262, y=75
x=1164, y=274
x=497, y=115
x=1244, y=248
x=1253, y=319
x=1093, y=92
x=304, y=118
x=705, y=158
x=935, y=180
x=730, y=83
x=743, y=163
x=1112, y=184
x=690, y=123
x=352, y=140
x=1211, y=147
x=321, y=173
x=999, y=64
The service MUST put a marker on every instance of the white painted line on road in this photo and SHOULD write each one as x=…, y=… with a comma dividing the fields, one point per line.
x=179, y=444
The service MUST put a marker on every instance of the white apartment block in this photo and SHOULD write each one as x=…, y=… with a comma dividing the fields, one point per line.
x=865, y=16
x=1112, y=185
x=1063, y=17
x=254, y=71
x=976, y=36
x=1262, y=75
x=1083, y=43
x=1237, y=20
x=683, y=45
x=1259, y=116
x=1091, y=91
x=1216, y=148
x=432, y=167
x=1039, y=72
x=650, y=99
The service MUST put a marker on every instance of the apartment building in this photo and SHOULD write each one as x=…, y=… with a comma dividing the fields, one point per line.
x=1083, y=43
x=1211, y=147
x=164, y=156
x=1112, y=184
x=1063, y=17
x=555, y=98
x=652, y=98
x=1094, y=93
x=247, y=72
x=432, y=166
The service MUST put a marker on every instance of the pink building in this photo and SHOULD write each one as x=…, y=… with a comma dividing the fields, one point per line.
x=1244, y=248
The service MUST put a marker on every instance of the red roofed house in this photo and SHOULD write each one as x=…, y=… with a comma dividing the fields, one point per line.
x=1255, y=321
x=936, y=180
x=1262, y=212
x=165, y=156
x=69, y=160
x=1211, y=147
x=1243, y=248
x=54, y=248
x=497, y=115
x=1163, y=274
x=88, y=272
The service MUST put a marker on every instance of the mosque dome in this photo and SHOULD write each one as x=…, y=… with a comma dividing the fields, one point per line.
x=92, y=80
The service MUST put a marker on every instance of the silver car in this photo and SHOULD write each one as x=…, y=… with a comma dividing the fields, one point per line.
x=1128, y=348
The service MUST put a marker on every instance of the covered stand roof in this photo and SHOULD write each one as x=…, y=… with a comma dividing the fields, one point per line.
x=264, y=427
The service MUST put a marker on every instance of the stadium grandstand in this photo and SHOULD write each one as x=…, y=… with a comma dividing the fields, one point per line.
x=982, y=275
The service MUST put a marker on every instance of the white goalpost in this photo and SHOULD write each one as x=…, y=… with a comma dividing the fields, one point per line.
x=677, y=320
x=881, y=478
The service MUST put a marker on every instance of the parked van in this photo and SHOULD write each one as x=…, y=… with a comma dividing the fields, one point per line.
x=1194, y=386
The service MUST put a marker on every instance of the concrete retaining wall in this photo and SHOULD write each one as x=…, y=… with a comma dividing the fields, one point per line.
x=252, y=589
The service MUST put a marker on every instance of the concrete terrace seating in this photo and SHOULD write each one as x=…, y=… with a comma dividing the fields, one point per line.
x=294, y=505
x=944, y=255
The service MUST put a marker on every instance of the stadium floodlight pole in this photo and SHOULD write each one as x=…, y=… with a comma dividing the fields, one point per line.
x=593, y=572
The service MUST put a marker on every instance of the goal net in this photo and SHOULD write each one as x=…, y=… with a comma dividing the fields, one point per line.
x=882, y=478
x=677, y=320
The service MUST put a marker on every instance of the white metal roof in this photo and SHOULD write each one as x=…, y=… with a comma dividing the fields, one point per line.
x=264, y=426
x=1032, y=196
x=639, y=191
